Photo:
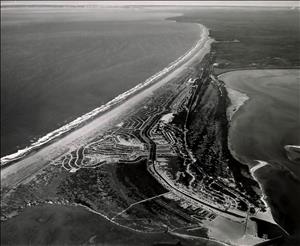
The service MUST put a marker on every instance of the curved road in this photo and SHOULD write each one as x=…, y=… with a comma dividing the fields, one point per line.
x=28, y=166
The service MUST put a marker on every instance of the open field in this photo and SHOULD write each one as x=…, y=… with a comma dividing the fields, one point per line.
x=262, y=128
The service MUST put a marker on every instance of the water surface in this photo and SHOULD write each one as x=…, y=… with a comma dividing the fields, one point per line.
x=270, y=119
x=260, y=130
x=59, y=63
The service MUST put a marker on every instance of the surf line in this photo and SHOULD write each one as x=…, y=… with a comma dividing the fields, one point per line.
x=105, y=107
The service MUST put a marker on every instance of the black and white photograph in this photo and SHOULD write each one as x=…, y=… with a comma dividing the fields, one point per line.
x=150, y=123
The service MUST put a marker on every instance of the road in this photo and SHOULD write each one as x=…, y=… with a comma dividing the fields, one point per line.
x=24, y=169
x=151, y=166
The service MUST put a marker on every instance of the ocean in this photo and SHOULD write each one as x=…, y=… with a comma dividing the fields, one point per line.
x=60, y=63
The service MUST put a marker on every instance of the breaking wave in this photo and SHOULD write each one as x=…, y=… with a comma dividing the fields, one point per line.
x=92, y=114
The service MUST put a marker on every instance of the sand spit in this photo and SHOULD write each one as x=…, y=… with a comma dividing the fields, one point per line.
x=110, y=114
x=258, y=166
x=293, y=152
x=266, y=215
x=237, y=99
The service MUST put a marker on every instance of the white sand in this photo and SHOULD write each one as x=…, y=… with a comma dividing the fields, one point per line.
x=237, y=99
x=26, y=167
x=167, y=118
x=293, y=152
x=258, y=166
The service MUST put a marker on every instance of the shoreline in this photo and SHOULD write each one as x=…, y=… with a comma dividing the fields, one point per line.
x=86, y=118
x=27, y=165
x=237, y=101
x=240, y=99
x=87, y=209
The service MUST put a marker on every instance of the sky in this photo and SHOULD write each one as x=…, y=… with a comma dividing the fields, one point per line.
x=179, y=3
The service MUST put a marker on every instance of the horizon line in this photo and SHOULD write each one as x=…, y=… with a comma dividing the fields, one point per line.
x=157, y=3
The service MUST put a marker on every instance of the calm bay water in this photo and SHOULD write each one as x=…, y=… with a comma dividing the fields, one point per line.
x=59, y=63
x=262, y=128
x=270, y=119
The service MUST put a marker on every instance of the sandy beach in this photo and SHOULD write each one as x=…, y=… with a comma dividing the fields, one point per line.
x=22, y=170
x=237, y=99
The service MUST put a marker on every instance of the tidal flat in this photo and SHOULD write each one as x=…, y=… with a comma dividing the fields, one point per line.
x=262, y=128
x=269, y=120
x=69, y=225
